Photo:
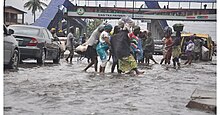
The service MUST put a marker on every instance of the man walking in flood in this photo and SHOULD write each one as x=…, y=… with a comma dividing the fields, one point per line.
x=71, y=41
x=148, y=46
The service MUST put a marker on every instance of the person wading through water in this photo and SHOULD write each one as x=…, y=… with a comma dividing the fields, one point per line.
x=92, y=42
x=114, y=58
x=167, y=41
x=134, y=41
x=121, y=47
x=70, y=44
x=176, y=50
x=189, y=49
x=103, y=46
x=148, y=47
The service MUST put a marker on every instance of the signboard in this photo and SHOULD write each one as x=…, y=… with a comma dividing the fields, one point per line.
x=81, y=13
x=98, y=14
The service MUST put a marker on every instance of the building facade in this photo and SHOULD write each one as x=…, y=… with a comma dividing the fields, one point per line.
x=13, y=15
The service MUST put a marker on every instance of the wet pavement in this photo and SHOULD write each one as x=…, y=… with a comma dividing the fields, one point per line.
x=63, y=89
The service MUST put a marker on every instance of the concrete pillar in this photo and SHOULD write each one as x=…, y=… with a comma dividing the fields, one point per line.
x=68, y=25
x=149, y=26
x=156, y=29
x=23, y=18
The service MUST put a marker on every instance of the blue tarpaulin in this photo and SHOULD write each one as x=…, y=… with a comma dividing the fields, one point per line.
x=49, y=13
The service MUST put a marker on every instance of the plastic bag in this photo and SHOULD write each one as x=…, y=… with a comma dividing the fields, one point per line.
x=82, y=48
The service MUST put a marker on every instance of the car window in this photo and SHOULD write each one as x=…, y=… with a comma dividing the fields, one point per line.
x=26, y=30
x=50, y=35
x=45, y=34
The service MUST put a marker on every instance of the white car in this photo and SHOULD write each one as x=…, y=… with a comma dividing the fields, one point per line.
x=11, y=50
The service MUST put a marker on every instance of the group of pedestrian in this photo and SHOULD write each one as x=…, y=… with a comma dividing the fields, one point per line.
x=128, y=46
x=121, y=45
x=172, y=48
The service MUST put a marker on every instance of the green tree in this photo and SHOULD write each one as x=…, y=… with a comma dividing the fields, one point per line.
x=34, y=5
x=92, y=25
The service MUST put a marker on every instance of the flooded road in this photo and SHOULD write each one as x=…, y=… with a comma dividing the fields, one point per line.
x=63, y=89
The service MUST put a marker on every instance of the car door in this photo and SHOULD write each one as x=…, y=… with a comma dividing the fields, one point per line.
x=51, y=46
x=8, y=46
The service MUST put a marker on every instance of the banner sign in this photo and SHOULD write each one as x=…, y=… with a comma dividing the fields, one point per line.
x=82, y=14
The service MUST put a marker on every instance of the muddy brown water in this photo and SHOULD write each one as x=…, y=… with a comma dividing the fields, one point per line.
x=63, y=89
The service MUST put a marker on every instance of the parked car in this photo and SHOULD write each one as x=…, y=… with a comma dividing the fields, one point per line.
x=158, y=47
x=206, y=49
x=11, y=51
x=36, y=43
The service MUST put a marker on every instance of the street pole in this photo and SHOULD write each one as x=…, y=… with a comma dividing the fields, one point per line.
x=133, y=10
x=4, y=12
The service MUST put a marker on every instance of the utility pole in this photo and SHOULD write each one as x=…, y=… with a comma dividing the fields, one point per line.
x=133, y=10
x=4, y=12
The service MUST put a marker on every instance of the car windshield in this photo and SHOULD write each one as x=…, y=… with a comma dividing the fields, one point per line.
x=26, y=31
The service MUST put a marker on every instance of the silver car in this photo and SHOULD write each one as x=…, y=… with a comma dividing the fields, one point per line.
x=158, y=47
x=11, y=51
x=36, y=43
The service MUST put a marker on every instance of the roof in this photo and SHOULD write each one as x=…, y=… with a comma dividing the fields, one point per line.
x=203, y=1
x=15, y=9
x=30, y=26
x=197, y=35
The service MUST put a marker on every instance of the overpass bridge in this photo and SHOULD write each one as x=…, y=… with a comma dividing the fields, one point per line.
x=143, y=13
x=58, y=10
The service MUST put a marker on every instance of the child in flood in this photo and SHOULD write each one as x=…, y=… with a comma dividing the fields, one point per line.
x=167, y=42
x=189, y=50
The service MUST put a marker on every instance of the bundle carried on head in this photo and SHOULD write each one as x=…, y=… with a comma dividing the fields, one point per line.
x=126, y=23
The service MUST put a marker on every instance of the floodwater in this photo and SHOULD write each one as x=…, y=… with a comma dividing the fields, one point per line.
x=63, y=89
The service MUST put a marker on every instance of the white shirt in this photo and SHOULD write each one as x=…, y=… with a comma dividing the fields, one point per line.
x=190, y=46
x=70, y=38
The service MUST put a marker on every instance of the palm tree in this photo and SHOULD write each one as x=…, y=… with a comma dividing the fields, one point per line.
x=34, y=5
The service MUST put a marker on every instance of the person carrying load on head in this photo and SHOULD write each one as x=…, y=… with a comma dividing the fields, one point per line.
x=121, y=47
x=176, y=50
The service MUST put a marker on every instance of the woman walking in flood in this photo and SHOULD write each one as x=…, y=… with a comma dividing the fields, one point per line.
x=122, y=45
x=114, y=58
x=103, y=46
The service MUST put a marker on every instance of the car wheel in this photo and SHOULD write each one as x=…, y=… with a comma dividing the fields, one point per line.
x=57, y=60
x=41, y=60
x=13, y=64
